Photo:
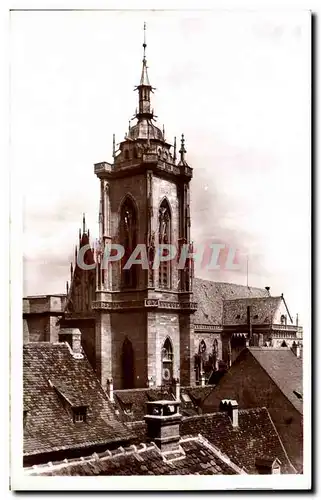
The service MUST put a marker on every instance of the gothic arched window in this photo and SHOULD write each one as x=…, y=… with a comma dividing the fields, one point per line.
x=128, y=364
x=128, y=237
x=164, y=238
x=167, y=362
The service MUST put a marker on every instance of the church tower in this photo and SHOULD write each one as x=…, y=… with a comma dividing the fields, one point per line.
x=144, y=312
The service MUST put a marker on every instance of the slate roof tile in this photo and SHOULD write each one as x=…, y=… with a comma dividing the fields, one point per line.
x=152, y=463
x=263, y=310
x=47, y=369
x=285, y=369
x=254, y=437
x=209, y=296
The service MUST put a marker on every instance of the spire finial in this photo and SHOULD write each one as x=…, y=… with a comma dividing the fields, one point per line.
x=144, y=44
x=83, y=223
x=174, y=148
x=182, y=151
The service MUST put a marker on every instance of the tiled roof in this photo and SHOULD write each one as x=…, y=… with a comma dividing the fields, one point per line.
x=200, y=458
x=254, y=437
x=210, y=295
x=262, y=310
x=53, y=382
x=285, y=369
x=197, y=393
x=135, y=400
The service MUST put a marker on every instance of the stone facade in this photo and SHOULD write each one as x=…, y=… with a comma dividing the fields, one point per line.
x=146, y=326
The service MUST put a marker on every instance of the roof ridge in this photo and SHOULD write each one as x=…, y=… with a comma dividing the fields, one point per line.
x=94, y=457
x=224, y=458
x=228, y=283
x=280, y=440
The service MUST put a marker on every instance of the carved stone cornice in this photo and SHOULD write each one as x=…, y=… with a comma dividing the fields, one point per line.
x=208, y=328
x=146, y=303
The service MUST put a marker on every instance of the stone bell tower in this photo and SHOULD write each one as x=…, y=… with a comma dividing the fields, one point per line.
x=144, y=312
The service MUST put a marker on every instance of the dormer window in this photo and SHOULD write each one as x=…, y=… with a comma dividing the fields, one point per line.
x=283, y=319
x=80, y=414
x=128, y=409
x=298, y=394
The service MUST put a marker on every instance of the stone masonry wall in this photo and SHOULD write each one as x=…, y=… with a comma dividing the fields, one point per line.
x=133, y=326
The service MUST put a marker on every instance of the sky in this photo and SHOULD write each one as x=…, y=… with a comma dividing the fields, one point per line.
x=237, y=84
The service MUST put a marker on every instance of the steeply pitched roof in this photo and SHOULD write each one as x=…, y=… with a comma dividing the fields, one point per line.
x=262, y=310
x=54, y=382
x=254, y=437
x=136, y=399
x=210, y=295
x=200, y=458
x=285, y=369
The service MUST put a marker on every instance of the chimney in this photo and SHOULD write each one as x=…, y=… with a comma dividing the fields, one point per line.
x=249, y=323
x=268, y=465
x=296, y=349
x=267, y=288
x=163, y=423
x=110, y=389
x=177, y=390
x=232, y=408
x=73, y=337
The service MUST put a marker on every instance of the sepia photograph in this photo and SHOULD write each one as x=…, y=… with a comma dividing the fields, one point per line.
x=160, y=166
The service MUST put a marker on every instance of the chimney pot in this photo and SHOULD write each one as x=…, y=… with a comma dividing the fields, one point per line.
x=177, y=390
x=110, y=389
x=232, y=408
x=268, y=465
x=163, y=424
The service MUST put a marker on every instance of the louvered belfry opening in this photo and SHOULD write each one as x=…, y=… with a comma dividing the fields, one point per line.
x=164, y=219
x=128, y=238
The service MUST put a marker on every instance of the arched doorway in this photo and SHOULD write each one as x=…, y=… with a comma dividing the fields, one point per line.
x=128, y=364
x=167, y=362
